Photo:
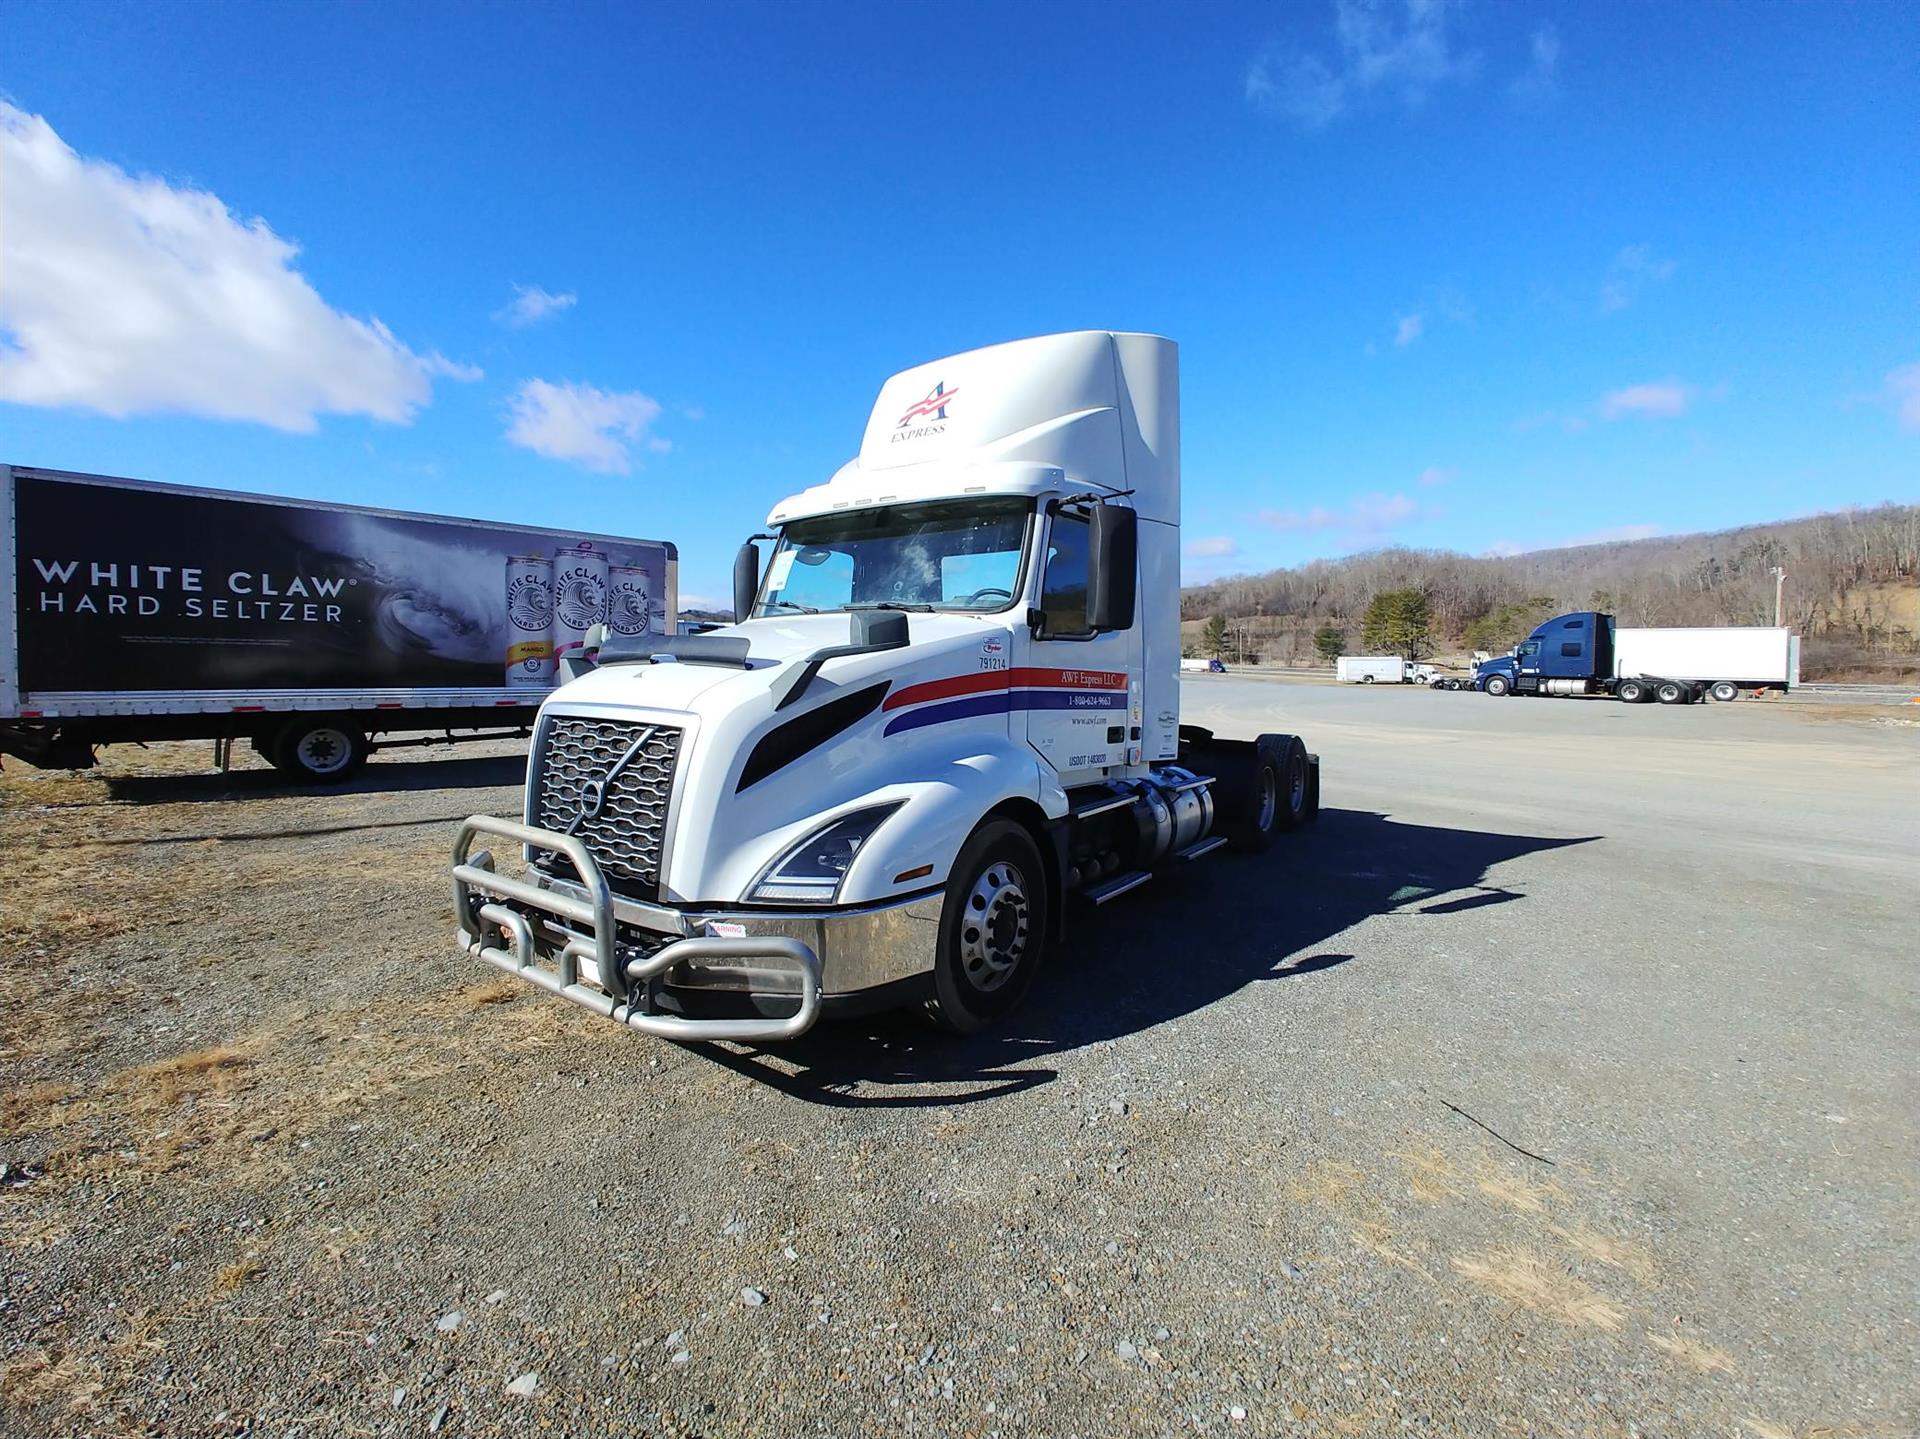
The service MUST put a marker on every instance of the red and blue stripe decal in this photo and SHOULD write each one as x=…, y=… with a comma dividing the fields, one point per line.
x=994, y=692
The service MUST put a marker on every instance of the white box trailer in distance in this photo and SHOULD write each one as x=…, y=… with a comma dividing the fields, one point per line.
x=134, y=611
x=1371, y=669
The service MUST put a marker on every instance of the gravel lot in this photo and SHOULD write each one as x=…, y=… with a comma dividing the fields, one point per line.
x=1561, y=1082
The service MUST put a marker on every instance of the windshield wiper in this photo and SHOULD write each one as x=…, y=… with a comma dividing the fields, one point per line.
x=789, y=605
x=889, y=605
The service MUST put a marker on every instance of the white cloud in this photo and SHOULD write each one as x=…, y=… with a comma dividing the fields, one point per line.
x=1213, y=547
x=128, y=295
x=1437, y=475
x=1902, y=391
x=1359, y=520
x=1409, y=329
x=1541, y=79
x=580, y=424
x=1662, y=400
x=1402, y=51
x=1634, y=270
x=531, y=304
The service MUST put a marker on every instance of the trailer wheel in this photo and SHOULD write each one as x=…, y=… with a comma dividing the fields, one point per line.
x=993, y=929
x=319, y=750
x=1725, y=691
x=1498, y=685
x=1670, y=693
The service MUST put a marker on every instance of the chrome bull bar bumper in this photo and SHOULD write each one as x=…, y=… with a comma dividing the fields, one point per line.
x=578, y=927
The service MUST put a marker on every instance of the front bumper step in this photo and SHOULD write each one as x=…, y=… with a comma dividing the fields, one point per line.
x=555, y=935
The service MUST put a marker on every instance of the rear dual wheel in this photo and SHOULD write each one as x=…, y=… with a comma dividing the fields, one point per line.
x=1265, y=793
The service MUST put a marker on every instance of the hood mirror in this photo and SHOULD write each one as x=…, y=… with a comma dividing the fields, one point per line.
x=746, y=580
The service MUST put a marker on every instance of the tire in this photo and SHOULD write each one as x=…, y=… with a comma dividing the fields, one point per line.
x=1631, y=692
x=322, y=749
x=1366, y=679
x=1726, y=691
x=1498, y=685
x=1669, y=692
x=1262, y=793
x=993, y=929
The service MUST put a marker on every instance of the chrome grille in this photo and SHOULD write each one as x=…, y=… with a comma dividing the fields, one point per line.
x=626, y=834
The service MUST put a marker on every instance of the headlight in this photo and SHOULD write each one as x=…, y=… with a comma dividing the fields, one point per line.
x=811, y=871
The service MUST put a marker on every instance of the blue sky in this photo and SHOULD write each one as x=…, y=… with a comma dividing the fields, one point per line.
x=1468, y=275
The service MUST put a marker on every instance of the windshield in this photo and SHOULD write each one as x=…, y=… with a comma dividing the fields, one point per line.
x=943, y=555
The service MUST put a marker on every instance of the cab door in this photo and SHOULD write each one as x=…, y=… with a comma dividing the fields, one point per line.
x=1074, y=690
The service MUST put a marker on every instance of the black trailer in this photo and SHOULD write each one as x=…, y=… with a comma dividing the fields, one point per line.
x=134, y=611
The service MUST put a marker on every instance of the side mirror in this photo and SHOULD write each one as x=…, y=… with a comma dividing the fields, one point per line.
x=746, y=580
x=1113, y=549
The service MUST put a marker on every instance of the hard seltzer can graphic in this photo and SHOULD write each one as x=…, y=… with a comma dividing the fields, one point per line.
x=579, y=597
x=529, y=621
x=628, y=600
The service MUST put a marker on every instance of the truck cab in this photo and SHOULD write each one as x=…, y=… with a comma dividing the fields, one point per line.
x=948, y=707
x=1570, y=654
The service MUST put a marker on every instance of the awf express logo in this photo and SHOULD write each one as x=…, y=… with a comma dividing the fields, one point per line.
x=932, y=410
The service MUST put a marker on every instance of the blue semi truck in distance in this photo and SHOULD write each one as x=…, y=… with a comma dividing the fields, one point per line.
x=1585, y=653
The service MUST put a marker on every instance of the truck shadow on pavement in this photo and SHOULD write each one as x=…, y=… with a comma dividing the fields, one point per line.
x=1194, y=938
x=401, y=776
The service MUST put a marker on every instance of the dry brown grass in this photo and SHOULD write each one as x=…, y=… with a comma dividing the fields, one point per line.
x=1431, y=1176
x=1695, y=1354
x=1604, y=1249
x=39, y=1377
x=1532, y=1282
x=1518, y=1192
x=494, y=991
x=231, y=1110
x=232, y=1276
x=1375, y=1237
x=1329, y=1182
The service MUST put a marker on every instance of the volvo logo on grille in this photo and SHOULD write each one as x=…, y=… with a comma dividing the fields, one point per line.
x=593, y=793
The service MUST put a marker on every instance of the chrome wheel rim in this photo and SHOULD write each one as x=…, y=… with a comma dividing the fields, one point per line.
x=323, y=751
x=993, y=927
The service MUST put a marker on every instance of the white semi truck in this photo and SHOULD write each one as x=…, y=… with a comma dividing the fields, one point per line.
x=949, y=706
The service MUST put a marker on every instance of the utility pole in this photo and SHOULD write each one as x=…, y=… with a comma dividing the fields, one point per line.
x=1779, y=596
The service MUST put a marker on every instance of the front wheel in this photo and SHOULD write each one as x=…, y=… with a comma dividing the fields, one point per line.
x=1498, y=685
x=993, y=929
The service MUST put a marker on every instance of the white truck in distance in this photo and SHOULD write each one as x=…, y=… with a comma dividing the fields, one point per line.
x=1382, y=669
x=949, y=706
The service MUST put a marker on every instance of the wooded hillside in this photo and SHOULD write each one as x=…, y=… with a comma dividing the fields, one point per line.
x=1852, y=591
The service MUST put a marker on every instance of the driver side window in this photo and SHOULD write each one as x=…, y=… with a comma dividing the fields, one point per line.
x=1063, y=587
